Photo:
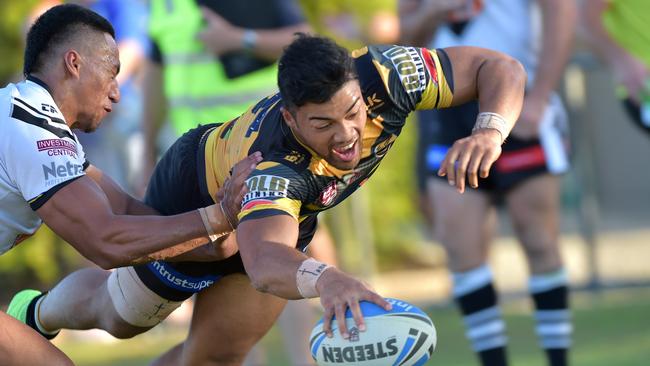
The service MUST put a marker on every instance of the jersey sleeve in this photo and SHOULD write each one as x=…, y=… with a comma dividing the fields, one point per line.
x=42, y=163
x=414, y=78
x=273, y=189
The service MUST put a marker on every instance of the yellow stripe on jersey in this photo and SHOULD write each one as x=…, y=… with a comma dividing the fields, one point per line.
x=359, y=52
x=214, y=159
x=320, y=166
x=371, y=131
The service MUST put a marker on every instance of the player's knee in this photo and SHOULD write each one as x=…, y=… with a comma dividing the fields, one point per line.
x=543, y=253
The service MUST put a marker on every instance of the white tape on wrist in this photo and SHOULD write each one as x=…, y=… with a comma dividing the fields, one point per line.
x=493, y=121
x=204, y=217
x=307, y=275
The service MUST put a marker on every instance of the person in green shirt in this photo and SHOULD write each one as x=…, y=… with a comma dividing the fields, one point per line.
x=618, y=31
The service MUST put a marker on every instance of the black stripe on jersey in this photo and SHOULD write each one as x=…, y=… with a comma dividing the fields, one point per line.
x=39, y=201
x=86, y=165
x=21, y=114
x=40, y=113
x=447, y=70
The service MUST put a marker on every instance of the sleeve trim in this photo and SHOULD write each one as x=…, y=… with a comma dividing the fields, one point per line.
x=41, y=199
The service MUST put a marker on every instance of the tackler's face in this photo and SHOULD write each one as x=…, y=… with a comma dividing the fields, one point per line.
x=98, y=85
x=333, y=129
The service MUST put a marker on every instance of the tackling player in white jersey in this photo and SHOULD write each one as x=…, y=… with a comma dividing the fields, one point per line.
x=71, y=61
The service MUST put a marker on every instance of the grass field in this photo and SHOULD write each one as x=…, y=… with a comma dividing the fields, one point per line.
x=612, y=329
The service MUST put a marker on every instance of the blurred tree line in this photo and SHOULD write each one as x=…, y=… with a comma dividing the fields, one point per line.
x=11, y=37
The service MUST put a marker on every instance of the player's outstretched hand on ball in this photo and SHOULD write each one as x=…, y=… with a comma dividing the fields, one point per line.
x=338, y=291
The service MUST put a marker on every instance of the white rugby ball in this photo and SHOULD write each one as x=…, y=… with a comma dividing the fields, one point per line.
x=404, y=336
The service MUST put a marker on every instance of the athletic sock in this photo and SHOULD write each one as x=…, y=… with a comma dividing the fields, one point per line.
x=551, y=297
x=485, y=328
x=32, y=318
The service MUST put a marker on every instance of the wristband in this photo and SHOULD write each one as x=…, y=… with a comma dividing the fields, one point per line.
x=206, y=223
x=223, y=210
x=492, y=121
x=249, y=40
x=213, y=220
x=307, y=275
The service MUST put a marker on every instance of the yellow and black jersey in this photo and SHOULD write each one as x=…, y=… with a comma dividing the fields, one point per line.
x=292, y=179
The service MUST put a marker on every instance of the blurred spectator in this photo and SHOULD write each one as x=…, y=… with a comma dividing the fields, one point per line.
x=211, y=60
x=354, y=23
x=525, y=176
x=619, y=32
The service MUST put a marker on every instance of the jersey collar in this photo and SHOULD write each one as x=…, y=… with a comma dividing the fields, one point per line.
x=40, y=82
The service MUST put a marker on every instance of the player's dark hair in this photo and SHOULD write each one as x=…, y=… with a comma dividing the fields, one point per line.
x=57, y=25
x=312, y=69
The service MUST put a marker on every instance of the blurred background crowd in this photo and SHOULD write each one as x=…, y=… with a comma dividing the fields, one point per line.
x=186, y=62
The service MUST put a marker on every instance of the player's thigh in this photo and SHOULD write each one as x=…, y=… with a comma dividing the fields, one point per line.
x=229, y=318
x=134, y=308
x=464, y=223
x=21, y=345
x=534, y=207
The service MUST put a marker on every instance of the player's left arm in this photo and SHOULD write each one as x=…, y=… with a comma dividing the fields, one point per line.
x=267, y=248
x=497, y=81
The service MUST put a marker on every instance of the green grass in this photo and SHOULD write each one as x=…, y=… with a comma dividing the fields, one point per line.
x=611, y=328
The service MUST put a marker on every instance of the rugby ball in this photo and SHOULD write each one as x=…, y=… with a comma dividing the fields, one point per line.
x=403, y=336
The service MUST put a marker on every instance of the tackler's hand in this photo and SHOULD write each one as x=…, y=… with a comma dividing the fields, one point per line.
x=234, y=188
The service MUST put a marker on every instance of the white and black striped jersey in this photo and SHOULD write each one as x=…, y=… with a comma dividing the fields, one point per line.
x=39, y=155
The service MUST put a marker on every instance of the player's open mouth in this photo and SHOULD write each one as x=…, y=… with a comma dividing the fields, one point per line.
x=346, y=152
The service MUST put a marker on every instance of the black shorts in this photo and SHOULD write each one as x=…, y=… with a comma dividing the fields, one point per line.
x=439, y=129
x=175, y=188
x=634, y=111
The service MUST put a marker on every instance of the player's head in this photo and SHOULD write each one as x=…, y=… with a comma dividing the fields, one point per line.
x=76, y=46
x=322, y=99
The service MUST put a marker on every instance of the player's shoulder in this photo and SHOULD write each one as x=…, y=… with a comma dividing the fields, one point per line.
x=32, y=113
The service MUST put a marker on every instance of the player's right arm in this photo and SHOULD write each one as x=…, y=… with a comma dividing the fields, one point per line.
x=267, y=248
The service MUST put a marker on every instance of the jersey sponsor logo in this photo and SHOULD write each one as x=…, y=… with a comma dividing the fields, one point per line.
x=48, y=108
x=55, y=147
x=266, y=186
x=57, y=173
x=180, y=281
x=409, y=66
x=328, y=194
